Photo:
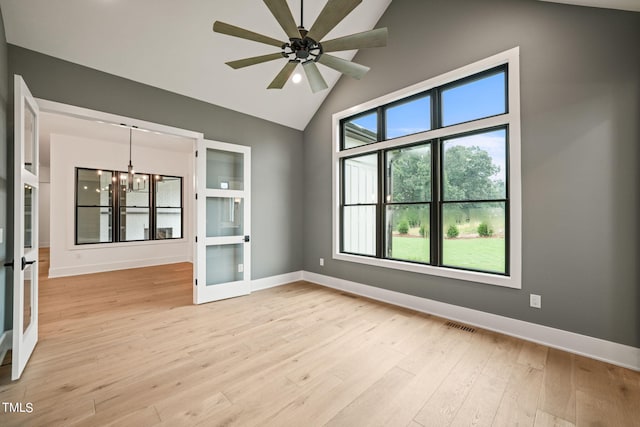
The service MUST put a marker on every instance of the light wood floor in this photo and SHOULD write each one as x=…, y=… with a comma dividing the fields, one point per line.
x=129, y=349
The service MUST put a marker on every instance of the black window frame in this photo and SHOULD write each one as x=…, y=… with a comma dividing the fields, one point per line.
x=344, y=204
x=437, y=201
x=117, y=192
x=156, y=179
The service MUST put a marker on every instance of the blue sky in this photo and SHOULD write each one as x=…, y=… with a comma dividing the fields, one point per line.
x=470, y=101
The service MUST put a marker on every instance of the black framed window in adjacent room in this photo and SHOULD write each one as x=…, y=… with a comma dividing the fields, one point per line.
x=168, y=207
x=109, y=211
x=427, y=179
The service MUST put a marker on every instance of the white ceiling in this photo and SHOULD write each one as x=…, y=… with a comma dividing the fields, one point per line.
x=170, y=44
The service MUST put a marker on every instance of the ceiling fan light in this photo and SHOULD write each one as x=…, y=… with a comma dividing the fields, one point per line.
x=297, y=78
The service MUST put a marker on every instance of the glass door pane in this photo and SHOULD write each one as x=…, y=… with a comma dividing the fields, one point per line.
x=225, y=170
x=224, y=264
x=225, y=216
x=27, y=314
x=30, y=141
x=29, y=204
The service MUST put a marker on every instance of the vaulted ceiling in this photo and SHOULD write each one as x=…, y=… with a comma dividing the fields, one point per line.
x=170, y=45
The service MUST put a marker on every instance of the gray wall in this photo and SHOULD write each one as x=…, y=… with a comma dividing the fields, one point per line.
x=5, y=286
x=276, y=150
x=580, y=82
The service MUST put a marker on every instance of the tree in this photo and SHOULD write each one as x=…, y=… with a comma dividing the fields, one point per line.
x=410, y=180
x=467, y=174
x=411, y=176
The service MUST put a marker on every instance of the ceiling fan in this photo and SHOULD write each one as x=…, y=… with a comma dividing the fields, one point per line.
x=305, y=47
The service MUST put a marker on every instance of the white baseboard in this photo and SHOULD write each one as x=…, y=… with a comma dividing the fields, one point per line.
x=595, y=348
x=111, y=266
x=6, y=342
x=273, y=281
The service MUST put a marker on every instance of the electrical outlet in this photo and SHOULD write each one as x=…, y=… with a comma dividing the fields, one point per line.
x=1, y=235
x=321, y=262
x=240, y=268
x=535, y=301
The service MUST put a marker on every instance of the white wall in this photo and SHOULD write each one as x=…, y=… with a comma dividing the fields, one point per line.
x=44, y=197
x=69, y=152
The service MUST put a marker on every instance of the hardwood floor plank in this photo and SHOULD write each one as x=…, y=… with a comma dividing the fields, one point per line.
x=520, y=400
x=438, y=358
x=368, y=404
x=444, y=404
x=544, y=419
x=558, y=395
x=355, y=373
x=481, y=404
x=144, y=417
x=603, y=396
x=533, y=355
x=191, y=406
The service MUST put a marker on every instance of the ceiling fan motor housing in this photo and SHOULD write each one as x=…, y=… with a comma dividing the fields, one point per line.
x=303, y=48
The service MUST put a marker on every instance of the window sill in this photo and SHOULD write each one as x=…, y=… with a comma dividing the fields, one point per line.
x=512, y=281
x=74, y=247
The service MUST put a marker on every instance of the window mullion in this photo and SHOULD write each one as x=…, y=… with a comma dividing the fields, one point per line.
x=380, y=220
x=115, y=202
x=436, y=205
x=153, y=210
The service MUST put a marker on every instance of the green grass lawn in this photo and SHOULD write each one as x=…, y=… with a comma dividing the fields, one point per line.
x=485, y=254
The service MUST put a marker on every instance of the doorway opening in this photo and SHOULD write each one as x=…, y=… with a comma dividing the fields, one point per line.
x=73, y=137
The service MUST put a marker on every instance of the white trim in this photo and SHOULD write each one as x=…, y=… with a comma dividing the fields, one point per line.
x=512, y=118
x=452, y=273
x=5, y=343
x=47, y=106
x=595, y=348
x=115, y=245
x=274, y=281
x=122, y=265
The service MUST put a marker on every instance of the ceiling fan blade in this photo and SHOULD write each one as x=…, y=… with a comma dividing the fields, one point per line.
x=283, y=75
x=345, y=67
x=232, y=30
x=334, y=12
x=373, y=38
x=280, y=10
x=316, y=81
x=240, y=63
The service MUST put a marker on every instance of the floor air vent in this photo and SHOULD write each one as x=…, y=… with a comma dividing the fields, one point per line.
x=461, y=327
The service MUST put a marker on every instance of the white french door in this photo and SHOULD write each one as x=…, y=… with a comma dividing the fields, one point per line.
x=223, y=245
x=25, y=229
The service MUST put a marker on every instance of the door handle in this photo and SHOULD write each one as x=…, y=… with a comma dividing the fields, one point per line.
x=247, y=238
x=8, y=264
x=25, y=262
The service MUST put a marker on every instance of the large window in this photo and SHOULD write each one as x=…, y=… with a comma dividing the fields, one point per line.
x=152, y=210
x=428, y=178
